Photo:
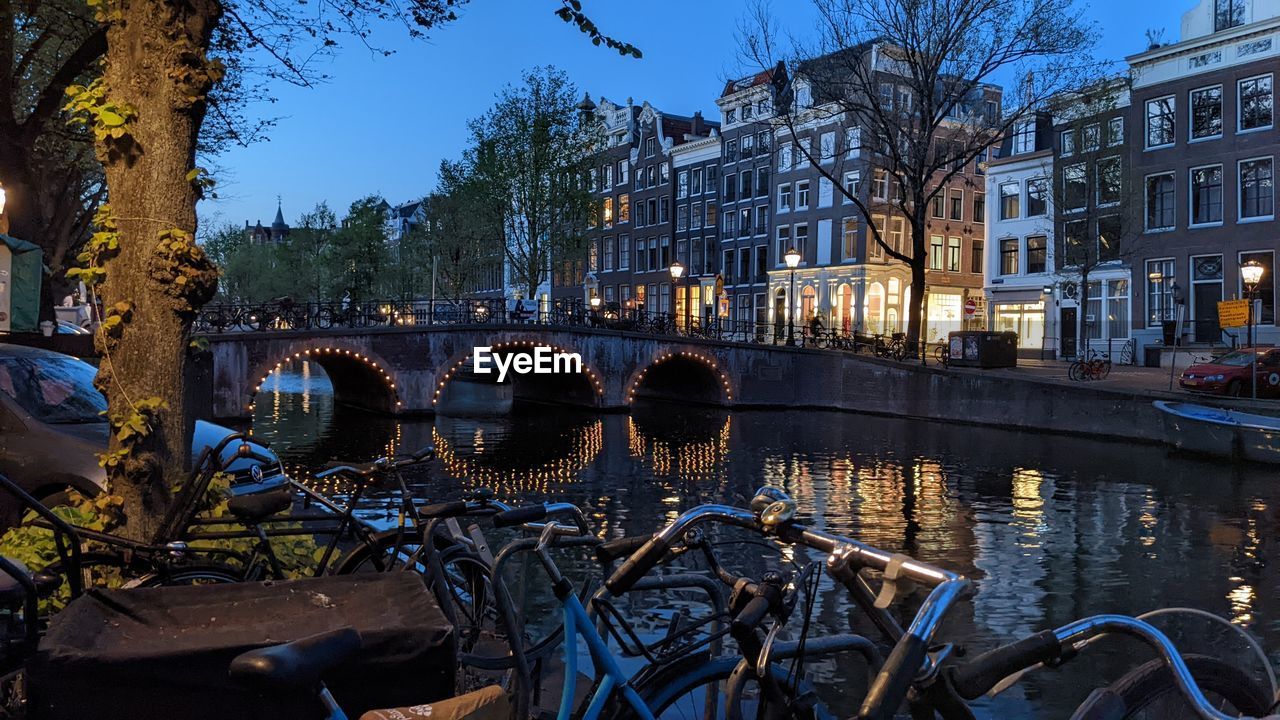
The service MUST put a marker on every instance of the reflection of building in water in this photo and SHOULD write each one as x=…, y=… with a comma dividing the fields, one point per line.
x=517, y=471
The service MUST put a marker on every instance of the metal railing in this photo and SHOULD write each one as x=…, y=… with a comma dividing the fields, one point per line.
x=285, y=316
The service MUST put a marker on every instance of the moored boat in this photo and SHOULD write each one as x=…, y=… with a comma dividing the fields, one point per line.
x=1221, y=431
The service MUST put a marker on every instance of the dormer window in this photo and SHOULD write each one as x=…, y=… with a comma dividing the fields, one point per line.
x=1227, y=14
x=1024, y=137
x=746, y=111
x=730, y=116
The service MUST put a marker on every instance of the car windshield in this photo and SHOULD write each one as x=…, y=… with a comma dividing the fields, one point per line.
x=1239, y=358
x=53, y=389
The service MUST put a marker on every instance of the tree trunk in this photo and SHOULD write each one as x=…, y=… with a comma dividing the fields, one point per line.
x=156, y=67
x=915, y=312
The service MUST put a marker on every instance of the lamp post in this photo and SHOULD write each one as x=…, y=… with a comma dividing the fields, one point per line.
x=4, y=219
x=1251, y=274
x=677, y=271
x=792, y=259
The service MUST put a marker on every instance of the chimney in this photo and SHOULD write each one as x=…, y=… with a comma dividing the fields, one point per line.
x=697, y=123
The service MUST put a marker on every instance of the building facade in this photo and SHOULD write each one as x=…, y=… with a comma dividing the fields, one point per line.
x=1020, y=269
x=700, y=295
x=1203, y=151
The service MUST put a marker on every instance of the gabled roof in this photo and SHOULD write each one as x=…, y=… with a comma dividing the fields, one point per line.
x=764, y=77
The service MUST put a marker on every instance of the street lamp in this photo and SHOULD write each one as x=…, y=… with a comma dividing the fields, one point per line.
x=4, y=221
x=677, y=271
x=595, y=302
x=1251, y=274
x=792, y=259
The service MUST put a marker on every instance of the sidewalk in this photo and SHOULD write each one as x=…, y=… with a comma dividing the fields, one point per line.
x=1122, y=377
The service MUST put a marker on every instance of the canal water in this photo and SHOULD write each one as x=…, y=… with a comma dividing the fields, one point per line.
x=1051, y=528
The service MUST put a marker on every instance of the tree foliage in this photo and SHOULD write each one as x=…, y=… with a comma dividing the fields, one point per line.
x=464, y=234
x=530, y=154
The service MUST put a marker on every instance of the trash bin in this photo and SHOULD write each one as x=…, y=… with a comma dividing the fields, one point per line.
x=980, y=348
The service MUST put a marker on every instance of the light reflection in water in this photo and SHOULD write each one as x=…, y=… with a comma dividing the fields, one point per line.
x=1051, y=529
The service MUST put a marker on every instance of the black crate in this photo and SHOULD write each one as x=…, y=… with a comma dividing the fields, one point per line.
x=980, y=348
x=165, y=652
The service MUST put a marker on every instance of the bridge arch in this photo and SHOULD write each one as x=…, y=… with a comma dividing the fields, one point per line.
x=584, y=389
x=685, y=375
x=358, y=378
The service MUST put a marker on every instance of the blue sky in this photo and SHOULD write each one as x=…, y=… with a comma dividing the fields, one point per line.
x=382, y=124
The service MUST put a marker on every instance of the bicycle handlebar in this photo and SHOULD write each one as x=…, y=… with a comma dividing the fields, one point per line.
x=977, y=676
x=377, y=467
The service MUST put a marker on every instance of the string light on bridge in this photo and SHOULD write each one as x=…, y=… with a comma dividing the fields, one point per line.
x=319, y=354
x=707, y=360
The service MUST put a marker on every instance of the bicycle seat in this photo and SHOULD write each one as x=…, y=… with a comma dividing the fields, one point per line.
x=298, y=664
x=488, y=703
x=256, y=507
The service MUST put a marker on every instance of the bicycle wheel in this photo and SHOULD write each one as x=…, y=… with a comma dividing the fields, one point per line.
x=1149, y=692
x=189, y=576
x=1076, y=371
x=695, y=687
x=389, y=550
x=1104, y=369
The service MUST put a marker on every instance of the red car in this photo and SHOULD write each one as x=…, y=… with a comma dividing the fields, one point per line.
x=1229, y=374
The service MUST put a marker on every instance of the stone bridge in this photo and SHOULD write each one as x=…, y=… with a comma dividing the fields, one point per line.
x=407, y=370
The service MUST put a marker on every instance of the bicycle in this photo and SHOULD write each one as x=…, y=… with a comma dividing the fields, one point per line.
x=1094, y=366
x=894, y=347
x=942, y=355
x=939, y=685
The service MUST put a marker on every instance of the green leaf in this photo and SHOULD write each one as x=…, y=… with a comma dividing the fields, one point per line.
x=110, y=118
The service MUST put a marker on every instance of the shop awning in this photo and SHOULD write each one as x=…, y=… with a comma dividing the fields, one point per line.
x=1019, y=295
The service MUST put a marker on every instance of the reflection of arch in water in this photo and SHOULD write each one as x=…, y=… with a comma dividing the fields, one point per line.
x=514, y=472
x=588, y=389
x=686, y=458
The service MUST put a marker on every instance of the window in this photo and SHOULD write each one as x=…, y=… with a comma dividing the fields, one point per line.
x=608, y=212
x=1160, y=213
x=806, y=151
x=1109, y=181
x=730, y=187
x=1266, y=287
x=1206, y=195
x=1037, y=254
x=936, y=211
x=682, y=184
x=744, y=265
x=641, y=256
x=762, y=219
x=1257, y=197
x=711, y=215
x=1092, y=137
x=695, y=185
x=712, y=173
x=896, y=227
x=957, y=204
x=1037, y=197
x=874, y=250
x=726, y=267
x=730, y=117
x=1024, y=137
x=1009, y=193
x=1206, y=113
x=826, y=193
x=849, y=239
x=827, y=147
x=784, y=244
x=762, y=182
x=975, y=257
x=1115, y=131
x=730, y=221
x=665, y=260
x=1109, y=227
x=653, y=255
x=762, y=142
x=953, y=254
x=682, y=218
x=624, y=208
x=609, y=250
x=1074, y=251
x=852, y=184
x=731, y=151
x=695, y=216
x=762, y=263
x=1068, y=142
x=1160, y=305
x=624, y=252
x=746, y=111
x=1009, y=256
x=1256, y=103
x=664, y=209
x=1117, y=308
x=745, y=191
x=649, y=146
x=802, y=240
x=1227, y=14
x=935, y=252
x=784, y=158
x=880, y=184
x=748, y=145
x=607, y=171
x=623, y=169
x=1160, y=122
x=744, y=222
x=784, y=197
x=650, y=177
x=664, y=174
x=1074, y=187
x=852, y=142
x=802, y=195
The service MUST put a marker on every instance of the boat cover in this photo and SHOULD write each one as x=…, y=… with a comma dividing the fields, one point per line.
x=165, y=652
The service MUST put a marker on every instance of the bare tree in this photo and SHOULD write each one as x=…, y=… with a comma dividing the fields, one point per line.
x=916, y=78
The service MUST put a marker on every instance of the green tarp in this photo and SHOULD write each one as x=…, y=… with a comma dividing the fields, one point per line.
x=26, y=271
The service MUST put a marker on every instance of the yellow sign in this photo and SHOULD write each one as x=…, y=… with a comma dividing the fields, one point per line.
x=1233, y=313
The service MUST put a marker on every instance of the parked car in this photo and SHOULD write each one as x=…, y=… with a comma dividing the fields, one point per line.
x=1229, y=374
x=66, y=328
x=51, y=429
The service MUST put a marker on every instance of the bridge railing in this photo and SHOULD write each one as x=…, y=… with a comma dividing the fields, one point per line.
x=286, y=315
